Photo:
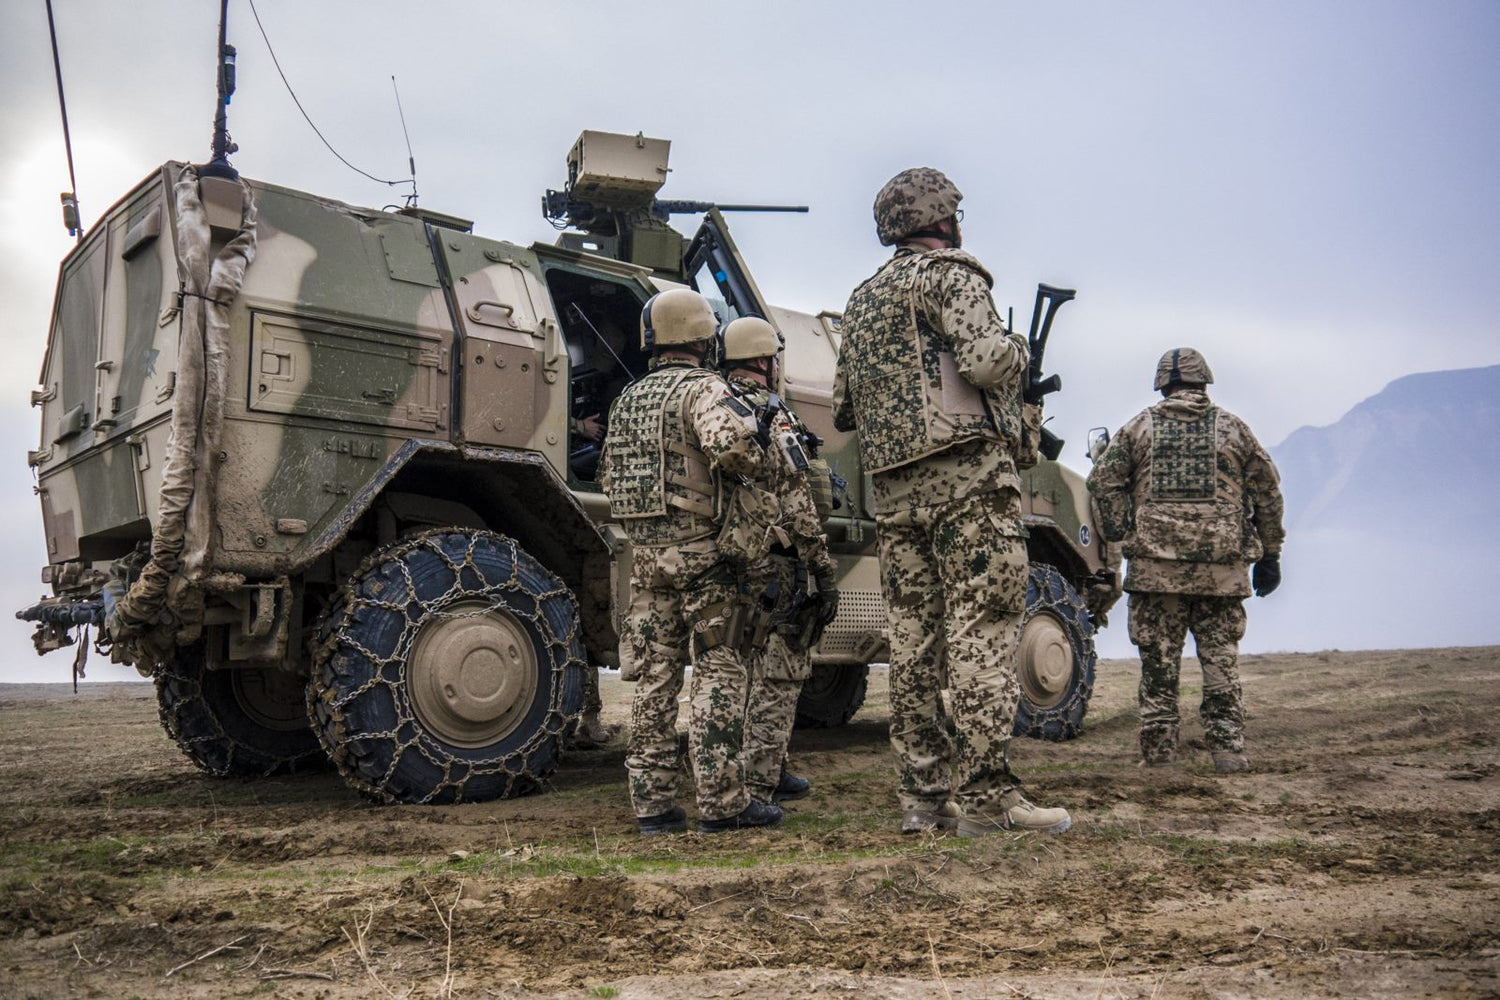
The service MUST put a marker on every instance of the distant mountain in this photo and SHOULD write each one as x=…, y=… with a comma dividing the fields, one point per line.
x=1390, y=519
x=1421, y=456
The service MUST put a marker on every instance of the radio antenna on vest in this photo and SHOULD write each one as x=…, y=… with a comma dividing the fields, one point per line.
x=411, y=161
x=71, y=218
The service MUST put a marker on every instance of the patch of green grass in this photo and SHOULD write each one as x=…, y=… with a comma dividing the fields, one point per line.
x=107, y=854
x=603, y=991
x=404, y=865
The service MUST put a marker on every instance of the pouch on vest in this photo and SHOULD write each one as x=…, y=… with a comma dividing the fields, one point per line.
x=820, y=483
x=1200, y=532
x=749, y=528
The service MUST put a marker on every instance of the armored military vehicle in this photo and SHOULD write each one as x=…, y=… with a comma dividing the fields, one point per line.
x=312, y=468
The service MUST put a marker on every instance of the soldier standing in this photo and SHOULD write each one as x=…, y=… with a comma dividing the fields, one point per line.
x=1196, y=501
x=673, y=436
x=796, y=567
x=932, y=380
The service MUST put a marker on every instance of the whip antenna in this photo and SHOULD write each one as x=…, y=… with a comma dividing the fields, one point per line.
x=71, y=217
x=219, y=166
x=308, y=118
x=411, y=161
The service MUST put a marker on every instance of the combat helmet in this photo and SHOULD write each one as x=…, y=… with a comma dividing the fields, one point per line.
x=677, y=316
x=1182, y=364
x=750, y=337
x=914, y=200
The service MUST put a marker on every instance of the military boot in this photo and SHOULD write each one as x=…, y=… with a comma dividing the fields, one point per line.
x=591, y=733
x=790, y=787
x=1014, y=813
x=1229, y=762
x=943, y=817
x=753, y=815
x=674, y=820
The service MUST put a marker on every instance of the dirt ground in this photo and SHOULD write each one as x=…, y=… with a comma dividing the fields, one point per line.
x=1360, y=858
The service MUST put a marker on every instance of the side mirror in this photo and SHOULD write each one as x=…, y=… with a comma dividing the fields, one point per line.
x=1098, y=440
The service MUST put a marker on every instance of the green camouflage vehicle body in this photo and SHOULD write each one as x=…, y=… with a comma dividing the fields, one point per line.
x=395, y=556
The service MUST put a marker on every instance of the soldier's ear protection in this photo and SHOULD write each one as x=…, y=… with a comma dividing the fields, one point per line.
x=648, y=332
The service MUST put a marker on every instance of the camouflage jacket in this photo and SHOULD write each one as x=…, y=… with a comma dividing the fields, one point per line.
x=1193, y=496
x=792, y=485
x=931, y=379
x=673, y=436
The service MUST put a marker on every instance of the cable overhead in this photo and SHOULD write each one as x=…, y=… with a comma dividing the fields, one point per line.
x=71, y=216
x=277, y=63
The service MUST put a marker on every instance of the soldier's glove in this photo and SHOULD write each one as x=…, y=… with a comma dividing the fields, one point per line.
x=828, y=600
x=1266, y=575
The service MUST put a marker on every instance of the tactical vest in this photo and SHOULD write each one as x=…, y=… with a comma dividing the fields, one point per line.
x=909, y=399
x=1188, y=508
x=661, y=487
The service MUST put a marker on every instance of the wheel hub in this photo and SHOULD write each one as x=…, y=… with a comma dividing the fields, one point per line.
x=472, y=674
x=1044, y=661
x=274, y=698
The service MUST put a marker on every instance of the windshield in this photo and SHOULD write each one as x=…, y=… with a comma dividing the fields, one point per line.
x=719, y=274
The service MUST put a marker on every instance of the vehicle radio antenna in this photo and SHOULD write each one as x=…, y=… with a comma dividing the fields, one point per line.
x=308, y=118
x=411, y=161
x=71, y=218
x=219, y=166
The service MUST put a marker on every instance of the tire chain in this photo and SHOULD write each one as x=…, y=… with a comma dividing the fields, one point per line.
x=356, y=757
x=1055, y=595
x=189, y=718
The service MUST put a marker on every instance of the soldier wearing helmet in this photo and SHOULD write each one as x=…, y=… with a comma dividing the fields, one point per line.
x=1197, y=502
x=675, y=436
x=796, y=575
x=931, y=380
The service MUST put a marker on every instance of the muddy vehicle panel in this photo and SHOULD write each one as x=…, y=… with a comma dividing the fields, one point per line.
x=389, y=550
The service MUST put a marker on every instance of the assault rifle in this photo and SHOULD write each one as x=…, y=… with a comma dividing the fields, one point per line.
x=1048, y=300
x=806, y=615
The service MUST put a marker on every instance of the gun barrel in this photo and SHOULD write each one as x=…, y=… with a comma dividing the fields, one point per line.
x=675, y=207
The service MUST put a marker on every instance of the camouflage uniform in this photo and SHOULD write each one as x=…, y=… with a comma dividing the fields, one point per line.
x=778, y=670
x=1196, y=500
x=932, y=380
x=673, y=436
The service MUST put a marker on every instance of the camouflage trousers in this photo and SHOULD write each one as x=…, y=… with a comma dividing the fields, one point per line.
x=593, y=704
x=776, y=676
x=674, y=593
x=1159, y=624
x=954, y=580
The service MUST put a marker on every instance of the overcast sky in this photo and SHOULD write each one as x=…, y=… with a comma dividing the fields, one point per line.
x=1307, y=192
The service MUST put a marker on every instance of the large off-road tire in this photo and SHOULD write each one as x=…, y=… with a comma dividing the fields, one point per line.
x=236, y=723
x=832, y=695
x=1055, y=660
x=448, y=671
